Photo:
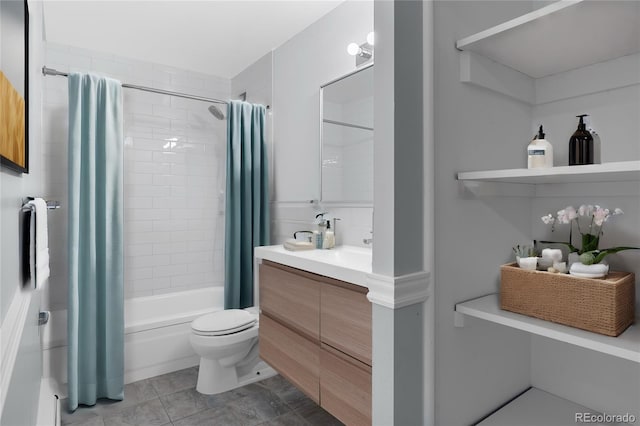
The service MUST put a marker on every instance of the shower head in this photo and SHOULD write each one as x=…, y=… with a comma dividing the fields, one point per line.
x=216, y=112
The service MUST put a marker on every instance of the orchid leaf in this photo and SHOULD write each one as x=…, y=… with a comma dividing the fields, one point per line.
x=596, y=256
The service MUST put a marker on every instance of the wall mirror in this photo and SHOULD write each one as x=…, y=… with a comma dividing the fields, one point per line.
x=346, y=138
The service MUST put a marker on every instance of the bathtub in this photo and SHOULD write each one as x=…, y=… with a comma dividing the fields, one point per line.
x=156, y=340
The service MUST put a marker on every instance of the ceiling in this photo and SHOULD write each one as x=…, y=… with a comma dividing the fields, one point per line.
x=214, y=37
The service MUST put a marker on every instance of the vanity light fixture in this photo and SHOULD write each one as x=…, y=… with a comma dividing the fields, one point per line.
x=371, y=38
x=363, y=52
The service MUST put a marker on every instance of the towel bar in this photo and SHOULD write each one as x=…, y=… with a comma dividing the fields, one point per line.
x=51, y=205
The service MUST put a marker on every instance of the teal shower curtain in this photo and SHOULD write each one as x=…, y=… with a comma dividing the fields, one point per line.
x=247, y=201
x=95, y=306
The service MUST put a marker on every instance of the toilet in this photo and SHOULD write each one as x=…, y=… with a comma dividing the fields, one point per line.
x=227, y=343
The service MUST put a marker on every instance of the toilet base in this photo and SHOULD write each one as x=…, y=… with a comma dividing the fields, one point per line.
x=210, y=386
x=214, y=378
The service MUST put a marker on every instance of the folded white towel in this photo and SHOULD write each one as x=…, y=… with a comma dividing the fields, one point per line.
x=295, y=245
x=39, y=250
x=589, y=271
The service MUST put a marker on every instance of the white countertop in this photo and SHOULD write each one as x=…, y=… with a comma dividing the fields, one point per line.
x=346, y=263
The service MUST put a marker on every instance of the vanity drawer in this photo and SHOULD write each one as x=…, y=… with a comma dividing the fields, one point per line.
x=345, y=320
x=293, y=356
x=291, y=298
x=345, y=387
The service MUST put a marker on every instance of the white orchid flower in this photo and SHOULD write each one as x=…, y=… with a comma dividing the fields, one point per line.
x=582, y=210
x=548, y=219
x=571, y=213
x=600, y=215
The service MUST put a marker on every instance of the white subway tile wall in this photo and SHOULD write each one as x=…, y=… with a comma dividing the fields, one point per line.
x=355, y=224
x=174, y=168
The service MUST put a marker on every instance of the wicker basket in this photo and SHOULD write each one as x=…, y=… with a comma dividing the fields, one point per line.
x=604, y=305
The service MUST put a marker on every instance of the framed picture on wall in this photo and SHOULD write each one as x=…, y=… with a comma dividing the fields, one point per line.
x=14, y=85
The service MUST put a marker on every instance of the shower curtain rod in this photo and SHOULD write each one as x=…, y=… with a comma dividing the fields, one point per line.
x=51, y=71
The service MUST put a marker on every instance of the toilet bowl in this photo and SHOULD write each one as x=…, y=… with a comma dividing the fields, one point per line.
x=227, y=343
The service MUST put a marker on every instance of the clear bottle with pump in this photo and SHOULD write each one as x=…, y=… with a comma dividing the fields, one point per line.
x=539, y=152
x=581, y=149
x=329, y=240
x=321, y=230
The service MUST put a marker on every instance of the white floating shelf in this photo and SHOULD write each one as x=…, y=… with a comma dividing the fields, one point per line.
x=606, y=172
x=536, y=407
x=626, y=346
x=548, y=40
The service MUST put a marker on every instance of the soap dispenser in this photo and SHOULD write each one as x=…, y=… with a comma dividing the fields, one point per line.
x=539, y=152
x=581, y=145
x=329, y=240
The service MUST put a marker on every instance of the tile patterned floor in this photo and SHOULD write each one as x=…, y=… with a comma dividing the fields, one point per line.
x=171, y=399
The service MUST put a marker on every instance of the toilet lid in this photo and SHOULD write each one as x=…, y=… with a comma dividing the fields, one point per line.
x=224, y=322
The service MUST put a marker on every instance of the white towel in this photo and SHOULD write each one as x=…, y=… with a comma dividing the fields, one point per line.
x=295, y=245
x=39, y=250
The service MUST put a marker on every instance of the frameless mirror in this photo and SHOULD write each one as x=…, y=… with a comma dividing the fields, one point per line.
x=346, y=138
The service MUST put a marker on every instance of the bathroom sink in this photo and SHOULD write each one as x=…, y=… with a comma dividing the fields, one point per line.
x=345, y=263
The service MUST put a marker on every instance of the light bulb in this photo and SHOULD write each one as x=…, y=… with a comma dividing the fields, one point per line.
x=371, y=38
x=353, y=49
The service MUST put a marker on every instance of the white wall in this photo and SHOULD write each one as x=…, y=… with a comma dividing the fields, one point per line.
x=24, y=375
x=481, y=366
x=310, y=59
x=595, y=380
x=470, y=375
x=598, y=381
x=256, y=82
x=16, y=186
x=174, y=174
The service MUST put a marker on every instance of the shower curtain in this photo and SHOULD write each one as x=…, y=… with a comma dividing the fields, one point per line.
x=247, y=200
x=95, y=305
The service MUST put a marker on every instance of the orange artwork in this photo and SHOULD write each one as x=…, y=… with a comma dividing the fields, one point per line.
x=12, y=125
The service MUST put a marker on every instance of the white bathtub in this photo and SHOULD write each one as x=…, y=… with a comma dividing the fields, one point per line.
x=156, y=334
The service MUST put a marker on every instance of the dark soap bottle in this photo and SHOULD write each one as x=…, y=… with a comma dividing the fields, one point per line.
x=581, y=145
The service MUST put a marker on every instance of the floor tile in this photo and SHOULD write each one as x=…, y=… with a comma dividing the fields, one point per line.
x=316, y=415
x=92, y=420
x=259, y=407
x=288, y=419
x=291, y=395
x=134, y=394
x=276, y=384
x=224, y=416
x=150, y=413
x=81, y=415
x=294, y=397
x=175, y=382
x=220, y=400
x=171, y=399
x=184, y=403
x=252, y=389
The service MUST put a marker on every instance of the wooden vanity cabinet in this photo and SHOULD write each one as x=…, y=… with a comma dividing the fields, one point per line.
x=293, y=356
x=291, y=298
x=316, y=332
x=345, y=315
x=345, y=387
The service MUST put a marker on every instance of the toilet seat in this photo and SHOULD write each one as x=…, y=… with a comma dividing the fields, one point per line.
x=223, y=323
